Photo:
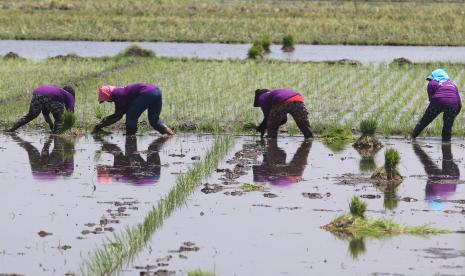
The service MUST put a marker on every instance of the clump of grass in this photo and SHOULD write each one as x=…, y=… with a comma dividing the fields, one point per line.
x=69, y=119
x=121, y=248
x=256, y=51
x=367, y=145
x=288, y=43
x=357, y=207
x=136, y=51
x=199, y=272
x=248, y=187
x=266, y=44
x=353, y=226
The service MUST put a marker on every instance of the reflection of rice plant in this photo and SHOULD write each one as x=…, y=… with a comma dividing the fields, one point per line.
x=288, y=43
x=199, y=272
x=69, y=119
x=367, y=164
x=391, y=161
x=368, y=127
x=390, y=198
x=357, y=247
x=357, y=207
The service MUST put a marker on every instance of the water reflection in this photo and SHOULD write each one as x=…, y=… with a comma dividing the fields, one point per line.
x=442, y=182
x=49, y=165
x=129, y=166
x=274, y=169
x=357, y=247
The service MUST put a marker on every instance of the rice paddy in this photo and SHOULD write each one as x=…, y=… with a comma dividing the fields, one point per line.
x=210, y=96
x=311, y=22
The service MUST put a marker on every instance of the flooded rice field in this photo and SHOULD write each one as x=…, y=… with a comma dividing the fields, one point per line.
x=260, y=213
x=40, y=49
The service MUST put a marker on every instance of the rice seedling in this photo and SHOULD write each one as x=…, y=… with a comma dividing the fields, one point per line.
x=122, y=247
x=391, y=161
x=251, y=187
x=288, y=43
x=357, y=207
x=136, y=51
x=368, y=127
x=69, y=119
x=266, y=44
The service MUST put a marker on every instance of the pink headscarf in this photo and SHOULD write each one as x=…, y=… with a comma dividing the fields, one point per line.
x=104, y=93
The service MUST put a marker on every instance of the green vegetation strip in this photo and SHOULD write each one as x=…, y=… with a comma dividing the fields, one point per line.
x=311, y=22
x=355, y=225
x=123, y=247
x=213, y=96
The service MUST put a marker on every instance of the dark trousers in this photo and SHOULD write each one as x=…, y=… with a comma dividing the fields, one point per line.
x=151, y=101
x=45, y=105
x=278, y=115
x=431, y=113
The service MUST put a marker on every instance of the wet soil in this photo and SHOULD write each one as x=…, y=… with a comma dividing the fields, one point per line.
x=59, y=201
x=253, y=234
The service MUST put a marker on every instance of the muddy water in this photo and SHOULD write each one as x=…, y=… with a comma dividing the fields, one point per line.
x=40, y=49
x=60, y=198
x=276, y=230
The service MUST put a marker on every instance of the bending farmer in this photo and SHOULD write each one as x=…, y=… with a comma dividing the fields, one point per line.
x=276, y=104
x=131, y=101
x=444, y=98
x=48, y=99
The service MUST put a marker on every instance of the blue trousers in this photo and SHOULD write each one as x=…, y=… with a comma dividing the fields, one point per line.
x=151, y=101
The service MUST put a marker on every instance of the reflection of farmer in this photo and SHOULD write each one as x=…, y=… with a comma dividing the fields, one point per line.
x=48, y=99
x=130, y=167
x=132, y=101
x=275, y=105
x=444, y=98
x=274, y=169
x=46, y=165
x=441, y=183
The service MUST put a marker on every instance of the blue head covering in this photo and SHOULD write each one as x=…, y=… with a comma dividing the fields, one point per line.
x=439, y=75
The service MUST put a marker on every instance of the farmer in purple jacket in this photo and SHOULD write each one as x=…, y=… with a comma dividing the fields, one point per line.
x=48, y=99
x=443, y=97
x=132, y=101
x=442, y=183
x=275, y=105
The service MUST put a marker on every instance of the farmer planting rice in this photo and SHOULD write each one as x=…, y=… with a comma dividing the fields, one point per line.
x=444, y=98
x=132, y=101
x=48, y=99
x=275, y=105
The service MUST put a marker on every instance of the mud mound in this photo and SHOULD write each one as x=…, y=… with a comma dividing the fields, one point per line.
x=382, y=180
x=12, y=55
x=401, y=61
x=367, y=146
x=136, y=51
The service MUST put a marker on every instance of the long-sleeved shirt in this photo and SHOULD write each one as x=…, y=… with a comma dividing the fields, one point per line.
x=57, y=94
x=444, y=94
x=271, y=98
x=124, y=96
